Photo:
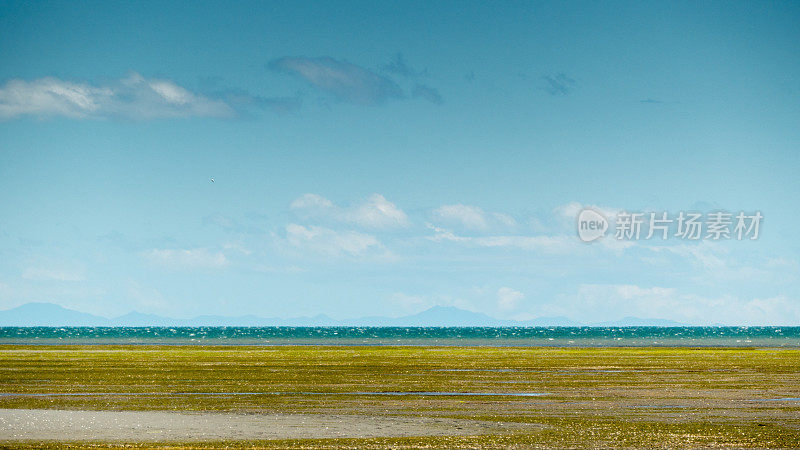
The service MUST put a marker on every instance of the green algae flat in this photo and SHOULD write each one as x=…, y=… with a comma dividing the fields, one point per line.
x=595, y=396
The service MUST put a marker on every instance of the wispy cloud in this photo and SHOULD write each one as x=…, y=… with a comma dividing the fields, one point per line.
x=196, y=258
x=52, y=274
x=428, y=93
x=312, y=205
x=468, y=216
x=330, y=242
x=556, y=235
x=345, y=81
x=145, y=297
x=602, y=302
x=508, y=298
x=717, y=263
x=374, y=212
x=567, y=214
x=243, y=101
x=472, y=217
x=557, y=244
x=399, y=66
x=134, y=97
x=547, y=244
x=279, y=104
x=558, y=84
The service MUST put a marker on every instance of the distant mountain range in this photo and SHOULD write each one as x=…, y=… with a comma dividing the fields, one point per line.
x=51, y=315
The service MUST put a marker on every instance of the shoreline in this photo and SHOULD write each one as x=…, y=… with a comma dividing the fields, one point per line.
x=532, y=346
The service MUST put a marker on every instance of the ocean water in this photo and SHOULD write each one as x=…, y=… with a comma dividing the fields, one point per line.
x=448, y=336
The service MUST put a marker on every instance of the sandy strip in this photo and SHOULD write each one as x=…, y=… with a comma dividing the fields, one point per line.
x=152, y=426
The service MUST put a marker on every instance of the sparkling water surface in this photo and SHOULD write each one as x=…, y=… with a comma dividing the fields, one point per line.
x=449, y=336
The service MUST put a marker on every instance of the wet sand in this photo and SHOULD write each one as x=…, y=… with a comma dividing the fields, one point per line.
x=20, y=425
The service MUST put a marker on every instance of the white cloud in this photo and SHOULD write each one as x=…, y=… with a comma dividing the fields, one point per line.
x=375, y=212
x=312, y=205
x=604, y=302
x=197, y=258
x=508, y=298
x=133, y=97
x=51, y=274
x=778, y=310
x=568, y=213
x=468, y=216
x=237, y=248
x=722, y=263
x=598, y=302
x=333, y=243
x=783, y=263
x=472, y=217
x=441, y=234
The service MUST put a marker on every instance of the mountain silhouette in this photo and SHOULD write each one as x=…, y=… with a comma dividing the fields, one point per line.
x=52, y=315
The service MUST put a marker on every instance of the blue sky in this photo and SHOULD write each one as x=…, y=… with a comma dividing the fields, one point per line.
x=382, y=158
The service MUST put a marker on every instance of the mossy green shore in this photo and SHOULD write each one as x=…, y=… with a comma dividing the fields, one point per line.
x=731, y=397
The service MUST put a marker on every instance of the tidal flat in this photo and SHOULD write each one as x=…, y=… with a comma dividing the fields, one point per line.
x=406, y=396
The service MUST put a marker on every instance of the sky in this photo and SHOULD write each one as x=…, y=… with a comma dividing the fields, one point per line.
x=380, y=158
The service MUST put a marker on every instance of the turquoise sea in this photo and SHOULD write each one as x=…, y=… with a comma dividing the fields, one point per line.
x=465, y=336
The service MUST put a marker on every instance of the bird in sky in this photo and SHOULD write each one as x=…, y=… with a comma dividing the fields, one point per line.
x=212, y=179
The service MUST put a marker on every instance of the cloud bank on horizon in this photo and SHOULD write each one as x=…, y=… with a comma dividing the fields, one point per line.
x=377, y=234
